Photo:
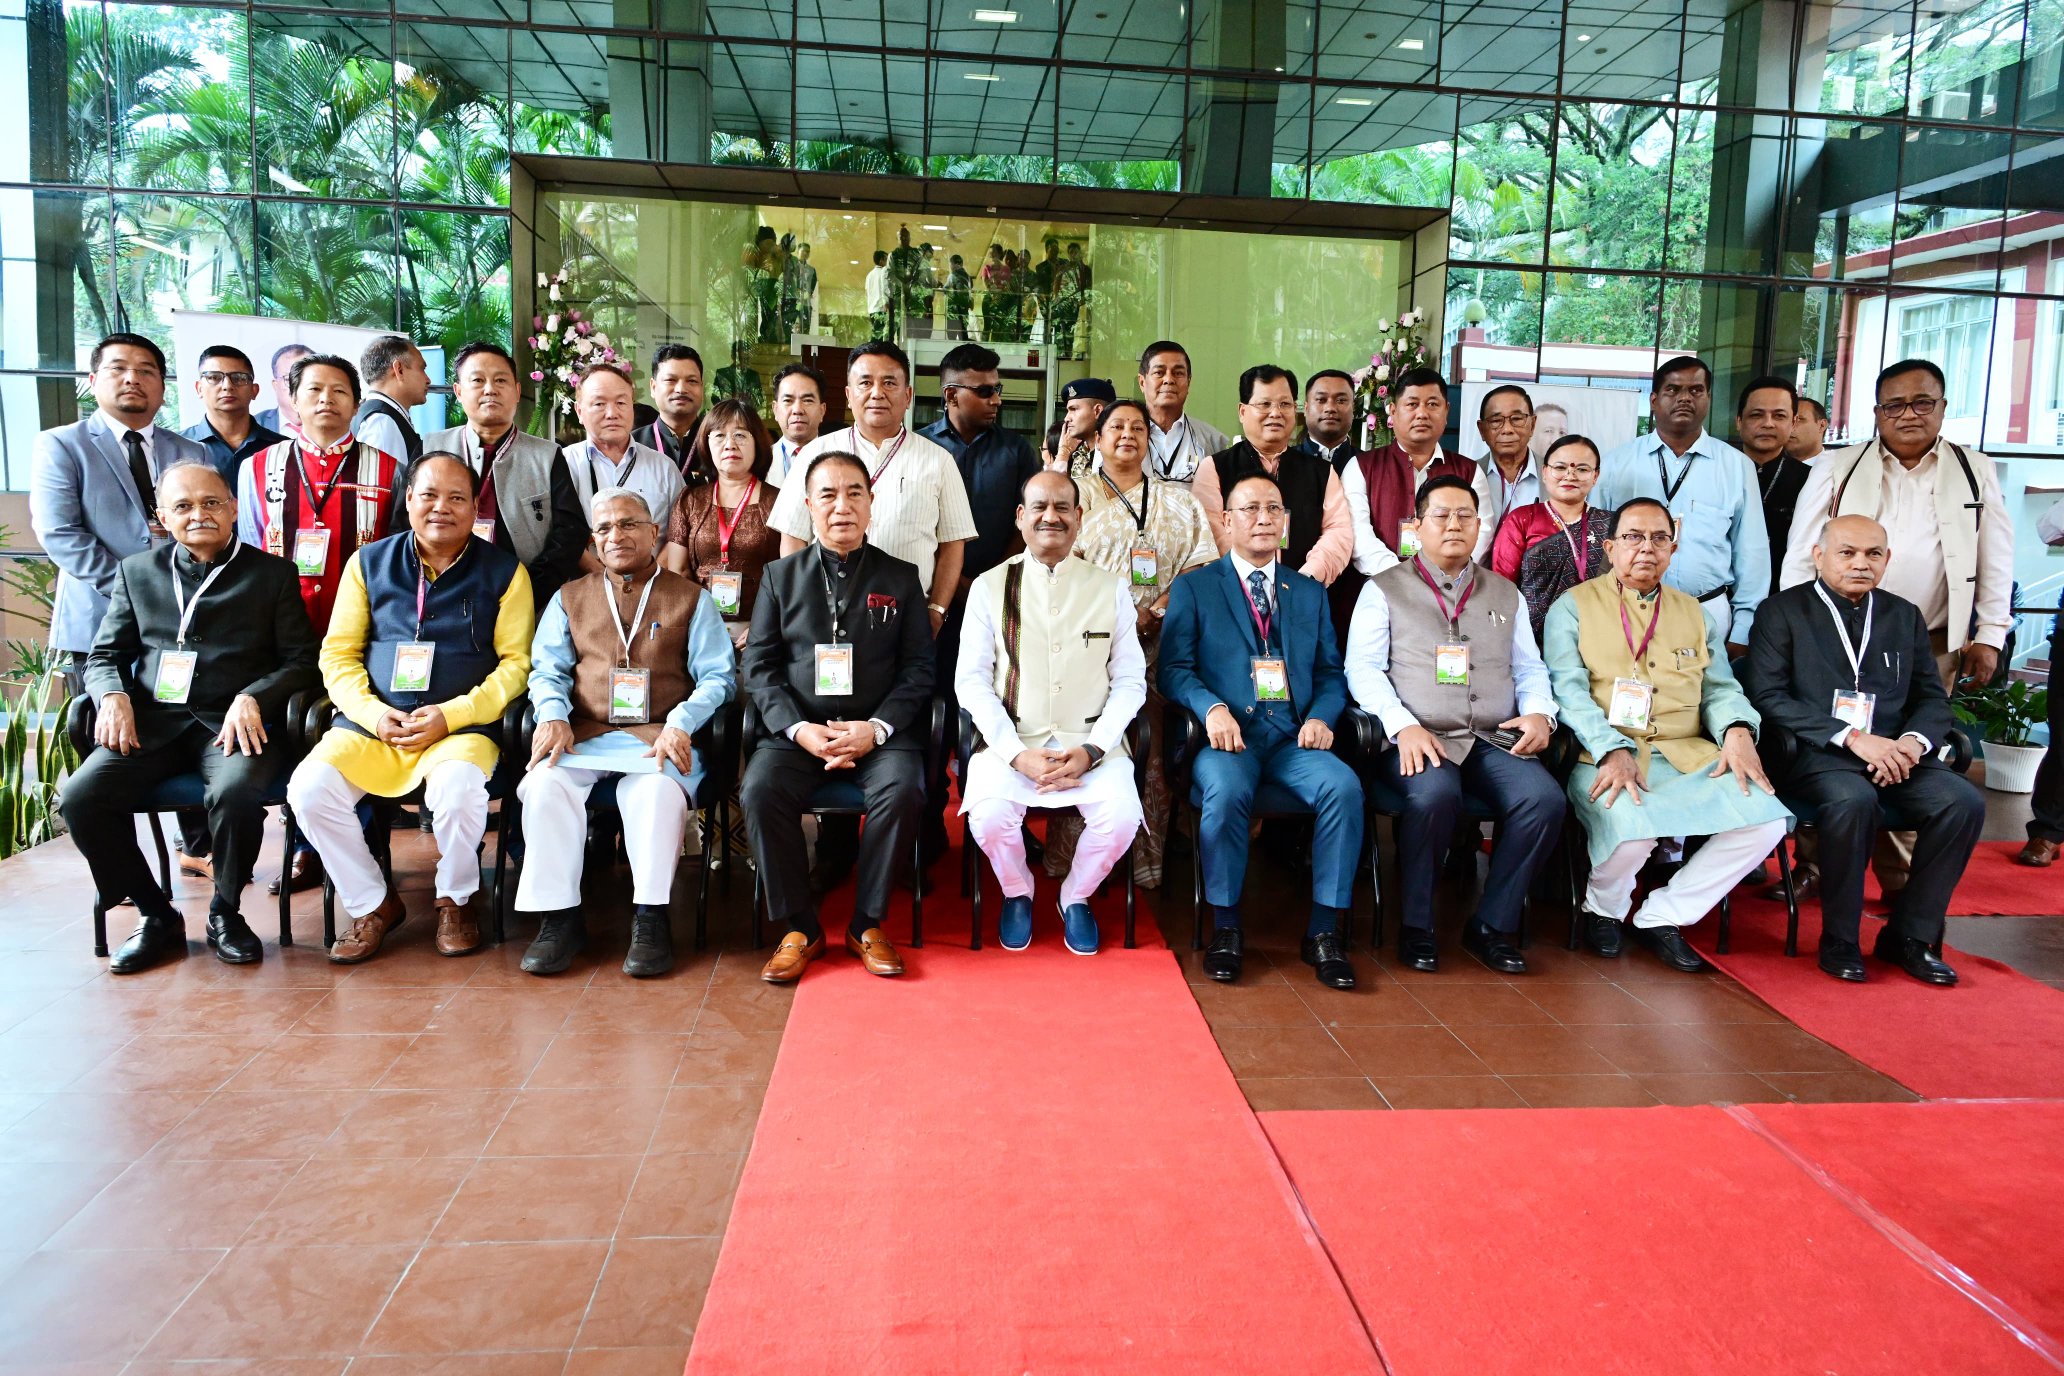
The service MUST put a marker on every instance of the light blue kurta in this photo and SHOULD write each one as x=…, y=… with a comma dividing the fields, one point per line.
x=1721, y=538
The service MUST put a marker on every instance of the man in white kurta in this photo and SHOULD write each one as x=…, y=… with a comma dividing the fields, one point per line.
x=1052, y=672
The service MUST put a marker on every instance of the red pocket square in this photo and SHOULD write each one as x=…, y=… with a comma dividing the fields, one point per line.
x=881, y=599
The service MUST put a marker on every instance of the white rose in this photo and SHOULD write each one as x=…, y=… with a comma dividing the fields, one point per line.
x=555, y=292
x=572, y=335
x=566, y=374
x=1383, y=372
x=1409, y=318
x=1383, y=326
x=552, y=324
x=542, y=279
x=601, y=341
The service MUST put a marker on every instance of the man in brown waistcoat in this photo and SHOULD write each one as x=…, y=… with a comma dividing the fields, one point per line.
x=629, y=662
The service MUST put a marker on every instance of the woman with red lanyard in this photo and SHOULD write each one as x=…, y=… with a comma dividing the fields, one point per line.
x=1550, y=546
x=718, y=533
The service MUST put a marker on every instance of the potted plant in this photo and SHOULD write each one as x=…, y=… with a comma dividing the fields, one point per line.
x=2002, y=714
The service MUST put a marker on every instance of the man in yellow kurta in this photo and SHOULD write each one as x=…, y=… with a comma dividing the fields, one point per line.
x=429, y=642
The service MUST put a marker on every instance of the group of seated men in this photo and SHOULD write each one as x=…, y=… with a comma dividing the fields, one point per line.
x=434, y=631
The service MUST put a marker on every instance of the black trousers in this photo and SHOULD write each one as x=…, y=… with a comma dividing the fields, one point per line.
x=2048, y=822
x=1529, y=805
x=779, y=782
x=1951, y=813
x=99, y=807
x=193, y=821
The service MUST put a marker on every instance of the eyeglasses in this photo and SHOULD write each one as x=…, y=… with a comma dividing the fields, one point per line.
x=1448, y=516
x=1920, y=406
x=1654, y=539
x=215, y=379
x=627, y=526
x=1572, y=470
x=1272, y=408
x=1509, y=422
x=206, y=505
x=987, y=391
x=1273, y=510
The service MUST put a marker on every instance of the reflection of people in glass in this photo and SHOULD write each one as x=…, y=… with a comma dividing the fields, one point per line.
x=739, y=380
x=1044, y=284
x=798, y=291
x=960, y=298
x=906, y=270
x=1551, y=423
x=763, y=265
x=995, y=286
x=878, y=297
x=1070, y=293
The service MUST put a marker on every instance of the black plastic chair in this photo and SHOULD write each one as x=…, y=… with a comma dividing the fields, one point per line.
x=837, y=797
x=1779, y=749
x=712, y=794
x=507, y=735
x=1183, y=737
x=189, y=790
x=974, y=864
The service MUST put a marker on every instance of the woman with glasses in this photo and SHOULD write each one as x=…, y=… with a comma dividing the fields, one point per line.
x=718, y=532
x=1550, y=546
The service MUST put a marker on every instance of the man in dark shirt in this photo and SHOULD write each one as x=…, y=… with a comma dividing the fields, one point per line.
x=227, y=384
x=1763, y=423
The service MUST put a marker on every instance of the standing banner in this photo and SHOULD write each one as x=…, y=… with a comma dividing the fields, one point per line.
x=261, y=336
x=1605, y=415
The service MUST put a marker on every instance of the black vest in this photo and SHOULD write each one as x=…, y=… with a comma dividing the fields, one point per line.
x=377, y=405
x=1303, y=480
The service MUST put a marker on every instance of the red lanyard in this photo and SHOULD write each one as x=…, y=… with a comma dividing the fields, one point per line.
x=888, y=455
x=1454, y=617
x=1580, y=550
x=422, y=592
x=1627, y=628
x=488, y=460
x=724, y=528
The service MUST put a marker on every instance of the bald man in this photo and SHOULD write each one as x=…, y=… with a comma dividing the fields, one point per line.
x=1846, y=668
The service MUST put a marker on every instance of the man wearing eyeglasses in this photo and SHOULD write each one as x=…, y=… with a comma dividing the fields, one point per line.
x=1318, y=537
x=1512, y=479
x=227, y=384
x=204, y=641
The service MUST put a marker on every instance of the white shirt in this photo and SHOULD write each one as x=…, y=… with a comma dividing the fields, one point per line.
x=1907, y=512
x=1498, y=497
x=878, y=289
x=115, y=429
x=785, y=451
x=974, y=677
x=920, y=502
x=1368, y=665
x=380, y=431
x=1371, y=555
x=650, y=474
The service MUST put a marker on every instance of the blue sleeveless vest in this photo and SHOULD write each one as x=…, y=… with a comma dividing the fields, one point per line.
x=459, y=613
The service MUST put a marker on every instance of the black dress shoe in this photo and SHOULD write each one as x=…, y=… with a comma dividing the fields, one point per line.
x=1671, y=948
x=652, y=945
x=1224, y=956
x=1914, y=957
x=233, y=940
x=156, y=941
x=559, y=939
x=304, y=872
x=1416, y=951
x=1326, y=954
x=1493, y=948
x=1842, y=959
x=1602, y=934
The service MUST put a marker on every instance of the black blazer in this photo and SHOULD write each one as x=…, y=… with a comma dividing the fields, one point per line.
x=1796, y=664
x=250, y=631
x=892, y=646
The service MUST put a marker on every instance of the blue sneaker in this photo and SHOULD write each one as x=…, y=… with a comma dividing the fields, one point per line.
x=1080, y=929
x=1014, y=928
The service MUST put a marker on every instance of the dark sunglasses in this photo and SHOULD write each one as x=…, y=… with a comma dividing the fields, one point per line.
x=988, y=391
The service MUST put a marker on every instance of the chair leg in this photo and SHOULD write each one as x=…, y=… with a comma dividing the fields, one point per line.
x=290, y=838
x=1131, y=895
x=917, y=875
x=100, y=946
x=1385, y=892
x=702, y=885
x=157, y=826
x=1791, y=900
x=501, y=866
x=1576, y=895
x=972, y=888
x=1726, y=922
x=759, y=927
x=1197, y=884
x=725, y=824
x=329, y=911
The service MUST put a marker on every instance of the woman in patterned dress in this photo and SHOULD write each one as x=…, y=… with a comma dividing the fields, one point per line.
x=1550, y=546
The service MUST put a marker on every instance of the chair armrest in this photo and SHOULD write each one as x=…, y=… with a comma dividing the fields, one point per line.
x=295, y=726
x=79, y=721
x=967, y=742
x=935, y=747
x=1362, y=738
x=525, y=719
x=1956, y=751
x=509, y=730
x=721, y=732
x=321, y=714
x=1562, y=754
x=1139, y=738
x=749, y=728
x=1779, y=750
x=1182, y=737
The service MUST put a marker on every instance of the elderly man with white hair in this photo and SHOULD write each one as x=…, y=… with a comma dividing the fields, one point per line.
x=629, y=661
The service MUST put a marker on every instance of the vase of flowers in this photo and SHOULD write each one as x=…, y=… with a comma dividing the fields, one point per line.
x=564, y=348
x=1400, y=348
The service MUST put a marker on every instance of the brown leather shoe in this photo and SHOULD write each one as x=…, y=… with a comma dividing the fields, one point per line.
x=303, y=873
x=791, y=958
x=1805, y=885
x=195, y=866
x=458, y=934
x=361, y=940
x=875, y=952
x=2039, y=853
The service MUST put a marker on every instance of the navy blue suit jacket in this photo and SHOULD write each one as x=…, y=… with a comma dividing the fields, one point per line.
x=1208, y=639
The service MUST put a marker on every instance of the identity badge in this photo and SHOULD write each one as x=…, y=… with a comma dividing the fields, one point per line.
x=1856, y=710
x=728, y=588
x=630, y=697
x=412, y=660
x=483, y=529
x=1146, y=566
x=175, y=676
x=312, y=552
x=834, y=671
x=1271, y=680
x=1407, y=539
x=1451, y=664
x=1633, y=703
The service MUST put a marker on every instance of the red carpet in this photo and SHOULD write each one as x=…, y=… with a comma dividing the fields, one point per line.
x=1992, y=886
x=1595, y=1241
x=1996, y=1035
x=1975, y=1183
x=1014, y=1163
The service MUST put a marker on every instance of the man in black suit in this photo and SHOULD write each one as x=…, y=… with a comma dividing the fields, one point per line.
x=1846, y=669
x=204, y=641
x=839, y=666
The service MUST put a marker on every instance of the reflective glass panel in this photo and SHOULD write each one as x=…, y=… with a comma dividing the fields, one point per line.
x=1382, y=147
x=1504, y=306
x=1612, y=185
x=1121, y=129
x=174, y=253
x=327, y=262
x=181, y=73
x=1725, y=204
x=1952, y=185
x=991, y=121
x=1501, y=181
x=582, y=95
x=1005, y=28
x=1845, y=175
x=1398, y=43
x=451, y=102
x=56, y=296
x=1501, y=45
x=1141, y=34
x=1856, y=59
x=860, y=112
x=1967, y=60
x=454, y=277
x=1622, y=49
x=322, y=102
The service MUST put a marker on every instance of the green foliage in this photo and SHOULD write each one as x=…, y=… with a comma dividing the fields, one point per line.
x=2002, y=712
x=34, y=754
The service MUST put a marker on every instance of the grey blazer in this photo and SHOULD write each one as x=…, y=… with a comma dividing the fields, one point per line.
x=83, y=508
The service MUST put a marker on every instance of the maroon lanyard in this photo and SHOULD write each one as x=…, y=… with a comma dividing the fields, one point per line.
x=1454, y=617
x=1627, y=628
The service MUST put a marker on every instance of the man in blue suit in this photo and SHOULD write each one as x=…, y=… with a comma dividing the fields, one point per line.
x=1248, y=647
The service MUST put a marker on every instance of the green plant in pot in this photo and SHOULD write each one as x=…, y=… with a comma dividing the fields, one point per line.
x=2001, y=715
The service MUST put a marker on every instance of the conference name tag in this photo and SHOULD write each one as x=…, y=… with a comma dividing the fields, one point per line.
x=1407, y=539
x=484, y=529
x=1633, y=703
x=1451, y=664
x=175, y=676
x=1271, y=680
x=630, y=697
x=834, y=671
x=729, y=590
x=312, y=552
x=1146, y=566
x=412, y=660
x=1856, y=710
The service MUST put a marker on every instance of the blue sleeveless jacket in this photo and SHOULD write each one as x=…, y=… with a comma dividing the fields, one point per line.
x=460, y=609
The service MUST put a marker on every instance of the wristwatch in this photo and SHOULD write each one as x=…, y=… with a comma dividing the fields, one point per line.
x=936, y=607
x=881, y=734
x=1095, y=753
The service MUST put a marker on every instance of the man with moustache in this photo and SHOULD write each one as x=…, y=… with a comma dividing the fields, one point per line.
x=204, y=642
x=1512, y=478
x=226, y=382
x=1180, y=442
x=1329, y=418
x=1382, y=485
x=1051, y=670
x=1763, y=422
x=677, y=390
x=1319, y=541
x=800, y=394
x=609, y=456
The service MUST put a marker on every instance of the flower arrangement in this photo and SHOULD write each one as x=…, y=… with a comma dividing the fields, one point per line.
x=565, y=347
x=1400, y=350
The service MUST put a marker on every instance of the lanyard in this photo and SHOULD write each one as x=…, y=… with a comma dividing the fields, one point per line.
x=1855, y=652
x=1505, y=489
x=1776, y=466
x=488, y=459
x=321, y=495
x=1580, y=550
x=888, y=455
x=1262, y=619
x=616, y=478
x=1671, y=489
x=725, y=528
x=1454, y=617
x=1627, y=627
x=1139, y=517
x=637, y=617
x=187, y=609
x=423, y=585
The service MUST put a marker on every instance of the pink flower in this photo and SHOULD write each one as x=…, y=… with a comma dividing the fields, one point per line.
x=537, y=377
x=584, y=327
x=537, y=322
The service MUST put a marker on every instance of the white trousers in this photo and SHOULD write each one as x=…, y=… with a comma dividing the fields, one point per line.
x=325, y=804
x=555, y=828
x=997, y=798
x=1707, y=877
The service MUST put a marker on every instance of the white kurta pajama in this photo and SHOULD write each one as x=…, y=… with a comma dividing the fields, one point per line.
x=996, y=795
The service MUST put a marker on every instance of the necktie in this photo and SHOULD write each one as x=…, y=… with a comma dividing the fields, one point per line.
x=139, y=473
x=1258, y=582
